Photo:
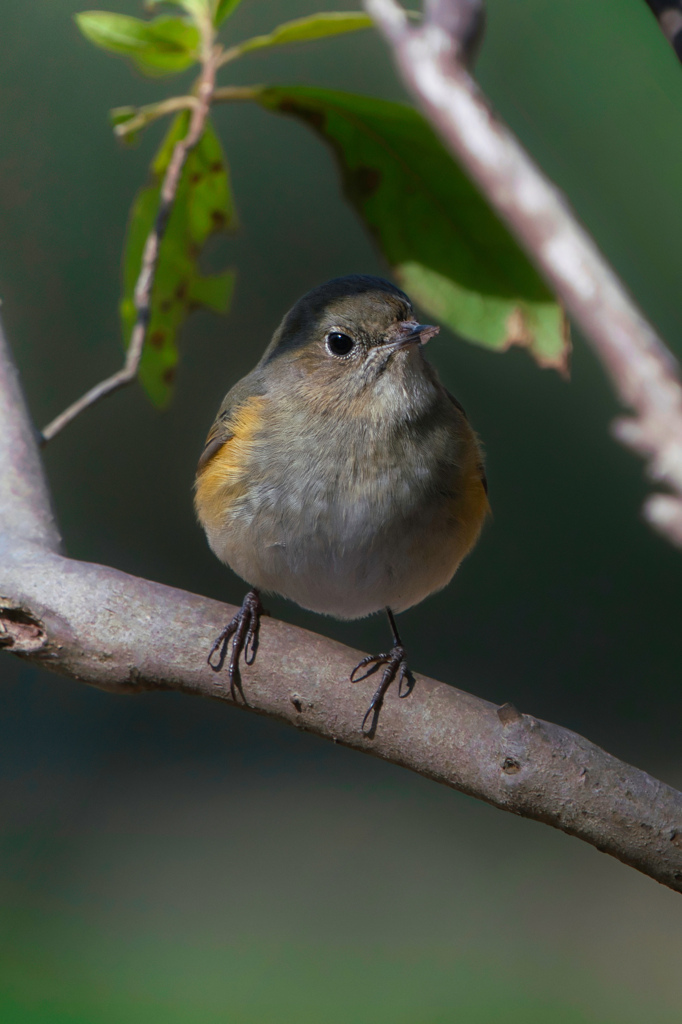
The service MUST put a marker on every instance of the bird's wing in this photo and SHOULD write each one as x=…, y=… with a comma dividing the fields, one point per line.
x=218, y=435
x=222, y=430
x=481, y=467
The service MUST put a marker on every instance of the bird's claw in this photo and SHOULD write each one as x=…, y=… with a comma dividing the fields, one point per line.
x=243, y=630
x=395, y=663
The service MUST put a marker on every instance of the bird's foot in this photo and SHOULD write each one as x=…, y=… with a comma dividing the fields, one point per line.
x=395, y=662
x=243, y=631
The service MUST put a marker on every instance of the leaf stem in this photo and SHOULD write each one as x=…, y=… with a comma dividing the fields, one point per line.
x=153, y=111
x=231, y=54
x=232, y=93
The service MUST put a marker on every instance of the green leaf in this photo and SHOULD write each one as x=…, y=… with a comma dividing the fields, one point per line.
x=447, y=248
x=197, y=8
x=315, y=26
x=203, y=206
x=223, y=10
x=120, y=115
x=163, y=46
x=217, y=10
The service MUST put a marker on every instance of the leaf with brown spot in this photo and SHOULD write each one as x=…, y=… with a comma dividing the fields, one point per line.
x=157, y=338
x=203, y=206
x=446, y=246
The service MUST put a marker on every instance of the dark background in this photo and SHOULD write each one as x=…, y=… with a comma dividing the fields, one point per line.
x=170, y=859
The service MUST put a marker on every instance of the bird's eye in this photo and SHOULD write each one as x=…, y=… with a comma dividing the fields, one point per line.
x=339, y=344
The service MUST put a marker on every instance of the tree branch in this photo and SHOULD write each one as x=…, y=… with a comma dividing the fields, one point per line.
x=126, y=635
x=641, y=368
x=150, y=256
x=25, y=508
x=669, y=16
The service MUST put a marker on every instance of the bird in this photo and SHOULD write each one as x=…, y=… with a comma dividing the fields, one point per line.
x=341, y=474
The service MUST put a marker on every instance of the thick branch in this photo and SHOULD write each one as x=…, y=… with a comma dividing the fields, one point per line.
x=641, y=367
x=463, y=22
x=25, y=507
x=150, y=255
x=125, y=634
x=669, y=16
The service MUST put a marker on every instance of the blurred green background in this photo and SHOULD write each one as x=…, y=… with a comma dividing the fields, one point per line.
x=165, y=859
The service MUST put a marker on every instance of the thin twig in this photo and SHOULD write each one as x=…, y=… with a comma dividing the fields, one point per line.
x=150, y=256
x=642, y=369
x=669, y=16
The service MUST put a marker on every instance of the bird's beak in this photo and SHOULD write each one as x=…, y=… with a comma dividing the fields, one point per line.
x=410, y=333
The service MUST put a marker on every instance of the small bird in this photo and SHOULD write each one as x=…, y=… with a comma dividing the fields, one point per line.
x=340, y=473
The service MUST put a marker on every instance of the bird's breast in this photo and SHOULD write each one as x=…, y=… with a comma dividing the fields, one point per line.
x=341, y=513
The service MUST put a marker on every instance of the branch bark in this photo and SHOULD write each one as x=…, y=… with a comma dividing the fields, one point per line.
x=431, y=61
x=668, y=13
x=25, y=509
x=127, y=635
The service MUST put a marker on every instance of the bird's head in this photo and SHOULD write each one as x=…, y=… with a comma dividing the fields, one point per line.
x=352, y=339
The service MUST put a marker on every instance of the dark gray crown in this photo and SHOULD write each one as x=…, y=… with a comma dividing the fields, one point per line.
x=295, y=328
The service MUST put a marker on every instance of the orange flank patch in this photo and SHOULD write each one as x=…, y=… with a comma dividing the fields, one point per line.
x=471, y=507
x=437, y=552
x=222, y=479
